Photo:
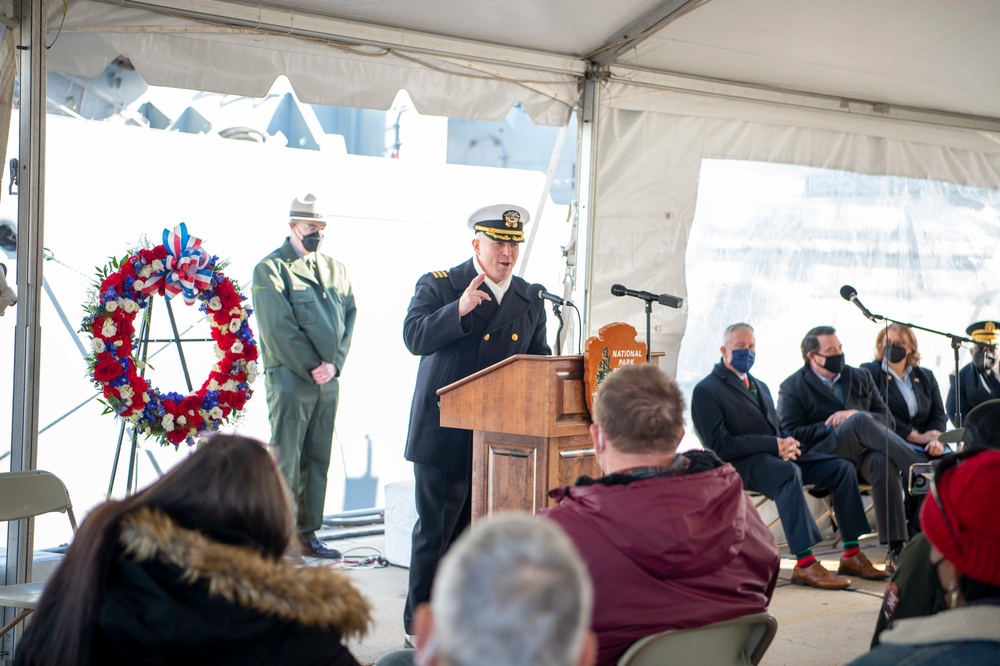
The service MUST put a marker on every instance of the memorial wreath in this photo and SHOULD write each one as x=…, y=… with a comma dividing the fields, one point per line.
x=178, y=267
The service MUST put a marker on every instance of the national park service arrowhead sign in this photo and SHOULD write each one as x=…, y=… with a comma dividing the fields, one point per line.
x=614, y=345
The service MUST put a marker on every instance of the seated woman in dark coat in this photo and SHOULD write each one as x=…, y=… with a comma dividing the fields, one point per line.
x=910, y=391
x=190, y=571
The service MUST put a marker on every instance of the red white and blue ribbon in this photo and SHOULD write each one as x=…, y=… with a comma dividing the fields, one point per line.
x=187, y=271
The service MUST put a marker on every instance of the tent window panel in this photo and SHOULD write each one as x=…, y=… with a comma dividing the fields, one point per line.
x=772, y=244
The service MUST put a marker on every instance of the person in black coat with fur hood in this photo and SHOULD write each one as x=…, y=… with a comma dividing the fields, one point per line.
x=191, y=571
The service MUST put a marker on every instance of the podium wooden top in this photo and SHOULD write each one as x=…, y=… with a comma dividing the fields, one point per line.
x=524, y=394
x=541, y=396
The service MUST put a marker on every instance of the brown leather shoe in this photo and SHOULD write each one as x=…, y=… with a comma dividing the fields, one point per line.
x=815, y=575
x=859, y=565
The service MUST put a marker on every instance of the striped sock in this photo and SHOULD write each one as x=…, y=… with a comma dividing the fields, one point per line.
x=851, y=548
x=805, y=558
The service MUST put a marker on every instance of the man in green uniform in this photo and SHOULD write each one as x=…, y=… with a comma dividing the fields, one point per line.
x=305, y=314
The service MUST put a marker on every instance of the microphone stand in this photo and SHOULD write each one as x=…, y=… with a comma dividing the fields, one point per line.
x=956, y=344
x=558, y=313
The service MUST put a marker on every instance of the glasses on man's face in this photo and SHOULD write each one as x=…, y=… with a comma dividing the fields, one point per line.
x=946, y=464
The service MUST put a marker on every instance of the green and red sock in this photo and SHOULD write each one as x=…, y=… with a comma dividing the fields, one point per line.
x=851, y=548
x=805, y=558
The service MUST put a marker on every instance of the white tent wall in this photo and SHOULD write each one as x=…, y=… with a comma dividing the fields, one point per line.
x=649, y=163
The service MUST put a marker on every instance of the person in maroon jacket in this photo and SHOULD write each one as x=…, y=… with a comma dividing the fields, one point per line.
x=671, y=540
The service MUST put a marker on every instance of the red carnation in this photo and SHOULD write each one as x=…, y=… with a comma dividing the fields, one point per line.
x=249, y=351
x=177, y=435
x=230, y=299
x=159, y=252
x=238, y=400
x=107, y=369
x=113, y=280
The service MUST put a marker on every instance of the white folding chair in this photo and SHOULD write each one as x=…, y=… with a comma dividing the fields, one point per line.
x=741, y=640
x=25, y=495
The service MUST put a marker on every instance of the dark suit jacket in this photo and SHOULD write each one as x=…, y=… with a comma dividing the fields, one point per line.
x=976, y=387
x=451, y=348
x=805, y=403
x=740, y=429
x=729, y=421
x=930, y=411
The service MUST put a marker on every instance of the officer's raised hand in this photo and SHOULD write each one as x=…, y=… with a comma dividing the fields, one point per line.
x=472, y=296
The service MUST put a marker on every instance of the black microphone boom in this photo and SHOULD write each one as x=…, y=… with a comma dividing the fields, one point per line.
x=537, y=290
x=662, y=299
x=849, y=293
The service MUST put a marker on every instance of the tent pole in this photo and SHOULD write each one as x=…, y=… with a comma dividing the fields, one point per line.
x=27, y=332
x=579, y=255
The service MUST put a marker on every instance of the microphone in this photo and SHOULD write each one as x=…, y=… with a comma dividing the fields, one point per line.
x=538, y=291
x=662, y=299
x=849, y=293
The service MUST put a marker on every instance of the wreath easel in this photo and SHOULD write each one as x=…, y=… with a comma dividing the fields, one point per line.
x=117, y=364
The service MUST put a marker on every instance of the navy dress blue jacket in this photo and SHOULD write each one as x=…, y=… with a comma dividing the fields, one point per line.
x=451, y=348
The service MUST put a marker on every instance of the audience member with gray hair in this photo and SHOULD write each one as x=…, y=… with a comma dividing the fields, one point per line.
x=513, y=591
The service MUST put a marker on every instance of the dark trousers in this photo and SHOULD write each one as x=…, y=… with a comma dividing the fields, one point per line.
x=883, y=458
x=834, y=474
x=444, y=510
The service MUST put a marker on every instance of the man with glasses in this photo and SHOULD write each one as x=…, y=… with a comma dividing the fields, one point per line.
x=305, y=311
x=832, y=408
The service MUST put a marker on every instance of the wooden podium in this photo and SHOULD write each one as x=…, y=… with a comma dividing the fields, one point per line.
x=530, y=430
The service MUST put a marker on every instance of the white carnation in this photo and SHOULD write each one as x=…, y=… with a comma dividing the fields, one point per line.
x=229, y=385
x=138, y=284
x=168, y=422
x=213, y=385
x=181, y=420
x=214, y=303
x=128, y=305
x=97, y=344
x=251, y=371
x=219, y=352
x=126, y=393
x=234, y=325
x=237, y=347
x=157, y=266
x=109, y=329
x=110, y=306
x=146, y=271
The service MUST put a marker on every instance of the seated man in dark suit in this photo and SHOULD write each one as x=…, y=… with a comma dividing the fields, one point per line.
x=836, y=409
x=734, y=416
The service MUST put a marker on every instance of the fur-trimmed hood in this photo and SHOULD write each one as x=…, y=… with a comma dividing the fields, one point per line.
x=313, y=597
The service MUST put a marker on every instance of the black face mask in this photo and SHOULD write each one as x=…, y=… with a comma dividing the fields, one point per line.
x=894, y=353
x=984, y=359
x=311, y=242
x=834, y=363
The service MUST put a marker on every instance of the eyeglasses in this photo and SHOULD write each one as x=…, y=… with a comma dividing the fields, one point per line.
x=946, y=464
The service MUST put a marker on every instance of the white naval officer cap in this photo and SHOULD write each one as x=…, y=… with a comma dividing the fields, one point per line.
x=502, y=222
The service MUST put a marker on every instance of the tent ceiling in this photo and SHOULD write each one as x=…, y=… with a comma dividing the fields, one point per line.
x=923, y=54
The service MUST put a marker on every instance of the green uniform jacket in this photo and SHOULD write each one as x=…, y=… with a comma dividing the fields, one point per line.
x=301, y=321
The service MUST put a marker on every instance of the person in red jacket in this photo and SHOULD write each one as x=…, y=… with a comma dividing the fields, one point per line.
x=671, y=540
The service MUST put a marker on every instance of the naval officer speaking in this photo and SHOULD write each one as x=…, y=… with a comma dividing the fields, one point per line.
x=460, y=321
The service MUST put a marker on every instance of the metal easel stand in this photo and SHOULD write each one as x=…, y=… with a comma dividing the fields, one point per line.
x=142, y=353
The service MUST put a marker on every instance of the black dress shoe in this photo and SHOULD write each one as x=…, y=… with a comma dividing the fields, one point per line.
x=317, y=548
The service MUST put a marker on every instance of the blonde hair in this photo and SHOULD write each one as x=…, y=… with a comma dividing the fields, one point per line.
x=912, y=356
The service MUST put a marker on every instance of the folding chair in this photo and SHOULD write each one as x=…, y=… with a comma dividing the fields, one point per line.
x=742, y=640
x=25, y=495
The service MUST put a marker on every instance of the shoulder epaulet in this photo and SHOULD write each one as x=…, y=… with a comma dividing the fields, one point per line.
x=439, y=274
